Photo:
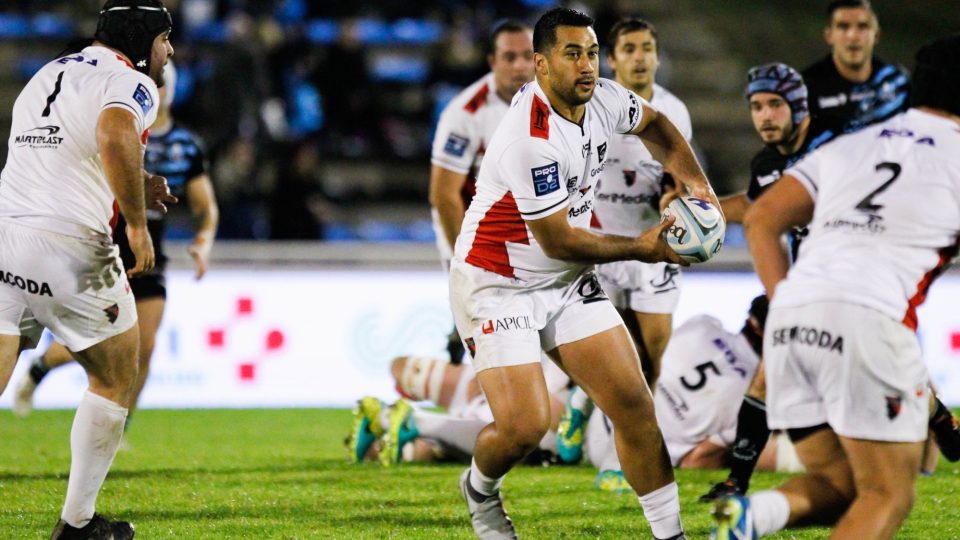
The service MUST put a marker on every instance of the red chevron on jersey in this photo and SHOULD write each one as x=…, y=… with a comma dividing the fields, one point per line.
x=477, y=100
x=500, y=224
x=539, y=115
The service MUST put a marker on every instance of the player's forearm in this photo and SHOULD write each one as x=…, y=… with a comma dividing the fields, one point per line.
x=582, y=246
x=122, y=158
x=734, y=207
x=450, y=212
x=207, y=221
x=668, y=146
x=768, y=252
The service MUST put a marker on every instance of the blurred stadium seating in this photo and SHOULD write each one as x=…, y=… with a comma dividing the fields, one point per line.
x=318, y=115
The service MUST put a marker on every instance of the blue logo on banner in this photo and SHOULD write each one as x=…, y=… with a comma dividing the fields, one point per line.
x=456, y=145
x=546, y=179
x=142, y=96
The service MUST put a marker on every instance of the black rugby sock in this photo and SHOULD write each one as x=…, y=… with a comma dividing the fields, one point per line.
x=38, y=371
x=752, y=436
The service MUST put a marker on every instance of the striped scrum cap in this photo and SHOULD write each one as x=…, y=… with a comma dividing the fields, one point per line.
x=779, y=78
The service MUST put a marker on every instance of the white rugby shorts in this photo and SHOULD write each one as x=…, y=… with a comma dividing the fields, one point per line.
x=641, y=287
x=846, y=365
x=75, y=287
x=506, y=322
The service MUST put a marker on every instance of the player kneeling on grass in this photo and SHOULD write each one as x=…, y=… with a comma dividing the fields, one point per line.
x=706, y=370
x=845, y=374
x=403, y=432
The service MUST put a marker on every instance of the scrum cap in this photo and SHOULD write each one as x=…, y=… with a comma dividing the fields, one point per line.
x=779, y=78
x=130, y=26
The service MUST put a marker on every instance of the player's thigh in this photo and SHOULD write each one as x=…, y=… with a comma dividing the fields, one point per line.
x=885, y=467
x=9, y=350
x=655, y=329
x=607, y=367
x=822, y=454
x=112, y=363
x=518, y=397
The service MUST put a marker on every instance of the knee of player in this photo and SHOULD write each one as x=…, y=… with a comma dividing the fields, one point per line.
x=397, y=366
x=526, y=431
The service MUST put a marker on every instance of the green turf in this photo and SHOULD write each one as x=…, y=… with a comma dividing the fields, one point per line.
x=282, y=474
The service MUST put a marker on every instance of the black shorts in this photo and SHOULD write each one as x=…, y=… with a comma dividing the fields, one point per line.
x=153, y=285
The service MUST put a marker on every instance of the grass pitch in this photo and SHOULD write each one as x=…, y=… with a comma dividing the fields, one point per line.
x=223, y=474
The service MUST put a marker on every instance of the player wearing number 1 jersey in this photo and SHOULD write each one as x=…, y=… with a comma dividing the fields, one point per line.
x=75, y=162
x=522, y=278
x=845, y=374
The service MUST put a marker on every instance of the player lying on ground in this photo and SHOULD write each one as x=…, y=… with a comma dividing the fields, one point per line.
x=403, y=432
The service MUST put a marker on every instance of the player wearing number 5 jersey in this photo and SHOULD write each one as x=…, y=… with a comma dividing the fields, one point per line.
x=844, y=370
x=75, y=162
x=522, y=279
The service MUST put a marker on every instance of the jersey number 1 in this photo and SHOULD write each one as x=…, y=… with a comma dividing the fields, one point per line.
x=53, y=96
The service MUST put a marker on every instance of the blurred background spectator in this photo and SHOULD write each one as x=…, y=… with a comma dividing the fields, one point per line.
x=318, y=115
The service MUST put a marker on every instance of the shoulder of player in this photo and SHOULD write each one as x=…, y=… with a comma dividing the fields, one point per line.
x=471, y=99
x=884, y=72
x=665, y=96
x=819, y=70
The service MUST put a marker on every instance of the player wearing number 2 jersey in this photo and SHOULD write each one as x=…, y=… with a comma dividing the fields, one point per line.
x=75, y=159
x=522, y=278
x=844, y=370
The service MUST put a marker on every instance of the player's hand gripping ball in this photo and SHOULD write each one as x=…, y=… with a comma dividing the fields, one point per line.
x=697, y=233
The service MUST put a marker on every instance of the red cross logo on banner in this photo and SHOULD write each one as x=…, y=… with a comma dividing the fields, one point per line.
x=272, y=340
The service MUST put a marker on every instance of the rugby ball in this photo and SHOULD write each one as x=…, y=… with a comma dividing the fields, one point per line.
x=697, y=233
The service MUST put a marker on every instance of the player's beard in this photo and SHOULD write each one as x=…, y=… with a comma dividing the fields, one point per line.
x=570, y=95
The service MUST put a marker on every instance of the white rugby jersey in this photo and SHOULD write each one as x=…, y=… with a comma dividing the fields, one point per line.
x=706, y=372
x=53, y=178
x=628, y=195
x=886, y=216
x=539, y=163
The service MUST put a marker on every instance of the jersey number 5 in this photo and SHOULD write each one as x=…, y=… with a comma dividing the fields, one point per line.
x=702, y=373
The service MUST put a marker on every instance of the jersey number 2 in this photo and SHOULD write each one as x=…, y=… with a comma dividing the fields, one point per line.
x=867, y=205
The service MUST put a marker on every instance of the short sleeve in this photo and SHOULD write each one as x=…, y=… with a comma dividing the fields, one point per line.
x=807, y=171
x=456, y=141
x=681, y=119
x=623, y=108
x=533, y=171
x=135, y=92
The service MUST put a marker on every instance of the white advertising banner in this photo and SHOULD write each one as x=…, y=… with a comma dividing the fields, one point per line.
x=318, y=338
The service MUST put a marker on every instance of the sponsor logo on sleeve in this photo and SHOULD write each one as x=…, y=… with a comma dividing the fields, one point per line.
x=142, y=96
x=634, y=110
x=601, y=152
x=546, y=179
x=456, y=145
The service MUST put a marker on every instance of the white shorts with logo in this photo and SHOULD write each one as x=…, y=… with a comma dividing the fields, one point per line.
x=846, y=365
x=74, y=287
x=506, y=322
x=641, y=287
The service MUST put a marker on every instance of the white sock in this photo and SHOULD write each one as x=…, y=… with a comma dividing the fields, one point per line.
x=94, y=438
x=384, y=417
x=662, y=509
x=771, y=510
x=483, y=483
x=580, y=400
x=461, y=433
x=549, y=441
